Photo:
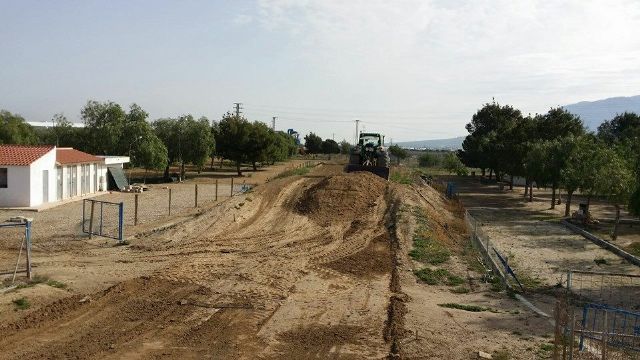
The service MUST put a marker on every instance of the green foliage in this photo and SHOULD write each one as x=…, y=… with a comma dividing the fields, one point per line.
x=313, y=143
x=56, y=284
x=453, y=165
x=233, y=138
x=22, y=303
x=460, y=290
x=296, y=171
x=329, y=146
x=429, y=160
x=401, y=177
x=634, y=248
x=425, y=248
x=472, y=308
x=398, y=152
x=438, y=277
x=14, y=130
x=345, y=147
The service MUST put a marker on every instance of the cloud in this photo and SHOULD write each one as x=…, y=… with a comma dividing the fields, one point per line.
x=534, y=53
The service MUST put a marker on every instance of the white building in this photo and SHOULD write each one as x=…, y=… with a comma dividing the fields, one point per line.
x=31, y=176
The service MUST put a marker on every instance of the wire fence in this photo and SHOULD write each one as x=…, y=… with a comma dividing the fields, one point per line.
x=599, y=317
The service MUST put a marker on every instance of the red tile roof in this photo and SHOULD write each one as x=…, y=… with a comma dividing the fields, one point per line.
x=22, y=155
x=72, y=156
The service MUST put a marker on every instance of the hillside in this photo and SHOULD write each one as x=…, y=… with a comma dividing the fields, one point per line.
x=593, y=113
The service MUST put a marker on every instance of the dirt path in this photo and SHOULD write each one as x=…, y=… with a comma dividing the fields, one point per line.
x=279, y=281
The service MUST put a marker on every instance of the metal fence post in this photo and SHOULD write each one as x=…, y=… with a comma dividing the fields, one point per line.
x=93, y=203
x=196, y=202
x=169, y=201
x=216, y=189
x=121, y=221
x=231, y=186
x=135, y=211
x=27, y=233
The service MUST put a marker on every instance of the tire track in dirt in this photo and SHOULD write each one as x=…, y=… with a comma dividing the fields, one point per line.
x=302, y=284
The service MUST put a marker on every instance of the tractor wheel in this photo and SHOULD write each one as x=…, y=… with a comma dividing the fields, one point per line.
x=354, y=159
x=383, y=159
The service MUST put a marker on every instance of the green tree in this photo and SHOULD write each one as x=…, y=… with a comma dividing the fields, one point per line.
x=329, y=146
x=578, y=168
x=151, y=154
x=614, y=180
x=345, y=147
x=261, y=138
x=429, y=160
x=104, y=124
x=454, y=165
x=398, y=152
x=15, y=130
x=233, y=139
x=313, y=143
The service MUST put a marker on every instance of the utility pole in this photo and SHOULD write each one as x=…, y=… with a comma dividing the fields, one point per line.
x=273, y=123
x=357, y=131
x=238, y=108
x=333, y=136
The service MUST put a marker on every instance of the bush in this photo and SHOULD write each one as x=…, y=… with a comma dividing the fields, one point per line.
x=429, y=160
x=438, y=277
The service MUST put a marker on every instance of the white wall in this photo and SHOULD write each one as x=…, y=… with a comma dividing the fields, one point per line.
x=46, y=162
x=17, y=191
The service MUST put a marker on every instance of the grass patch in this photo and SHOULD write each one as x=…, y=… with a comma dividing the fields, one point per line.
x=37, y=279
x=401, y=177
x=600, y=261
x=546, y=347
x=496, y=284
x=56, y=284
x=425, y=248
x=460, y=290
x=438, y=277
x=22, y=303
x=471, y=308
x=634, y=249
x=292, y=172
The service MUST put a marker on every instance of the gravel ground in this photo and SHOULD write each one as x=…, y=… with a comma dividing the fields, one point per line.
x=64, y=222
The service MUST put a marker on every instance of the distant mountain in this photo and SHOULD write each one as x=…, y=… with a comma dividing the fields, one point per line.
x=594, y=113
x=447, y=144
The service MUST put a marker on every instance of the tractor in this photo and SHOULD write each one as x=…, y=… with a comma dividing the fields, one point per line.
x=370, y=155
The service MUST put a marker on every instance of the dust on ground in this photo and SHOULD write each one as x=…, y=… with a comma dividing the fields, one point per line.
x=262, y=275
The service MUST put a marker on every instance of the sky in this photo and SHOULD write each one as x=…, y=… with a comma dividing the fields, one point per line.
x=411, y=69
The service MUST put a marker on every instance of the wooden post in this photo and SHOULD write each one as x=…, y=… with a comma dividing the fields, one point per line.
x=93, y=203
x=557, y=334
x=216, y=189
x=28, y=241
x=135, y=212
x=169, y=201
x=231, y=186
x=196, y=204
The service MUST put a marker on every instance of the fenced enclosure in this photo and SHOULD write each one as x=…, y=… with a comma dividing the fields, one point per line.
x=15, y=246
x=599, y=317
x=103, y=218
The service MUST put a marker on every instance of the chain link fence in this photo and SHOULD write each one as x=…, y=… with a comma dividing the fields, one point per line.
x=599, y=317
x=15, y=250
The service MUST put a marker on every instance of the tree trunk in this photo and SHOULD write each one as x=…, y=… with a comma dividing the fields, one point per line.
x=567, y=208
x=166, y=173
x=182, y=170
x=212, y=158
x=238, y=168
x=553, y=195
x=483, y=172
x=531, y=192
x=587, y=215
x=614, y=234
x=511, y=183
x=255, y=167
x=221, y=159
x=490, y=173
x=526, y=188
x=144, y=178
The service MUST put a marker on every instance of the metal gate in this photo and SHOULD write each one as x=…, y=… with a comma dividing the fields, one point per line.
x=103, y=218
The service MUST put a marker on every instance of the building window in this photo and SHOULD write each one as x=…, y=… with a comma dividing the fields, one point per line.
x=3, y=178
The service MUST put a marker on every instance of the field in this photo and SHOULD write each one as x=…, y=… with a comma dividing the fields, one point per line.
x=317, y=265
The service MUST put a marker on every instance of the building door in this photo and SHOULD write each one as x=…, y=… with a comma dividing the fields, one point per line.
x=45, y=186
x=74, y=180
x=95, y=178
x=59, y=181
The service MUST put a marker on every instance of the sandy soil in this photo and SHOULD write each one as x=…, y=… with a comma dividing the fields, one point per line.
x=538, y=247
x=302, y=267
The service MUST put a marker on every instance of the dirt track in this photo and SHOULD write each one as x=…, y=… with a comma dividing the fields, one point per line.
x=280, y=281
x=303, y=267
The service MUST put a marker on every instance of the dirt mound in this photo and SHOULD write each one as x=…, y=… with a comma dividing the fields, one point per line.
x=319, y=341
x=374, y=260
x=341, y=198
